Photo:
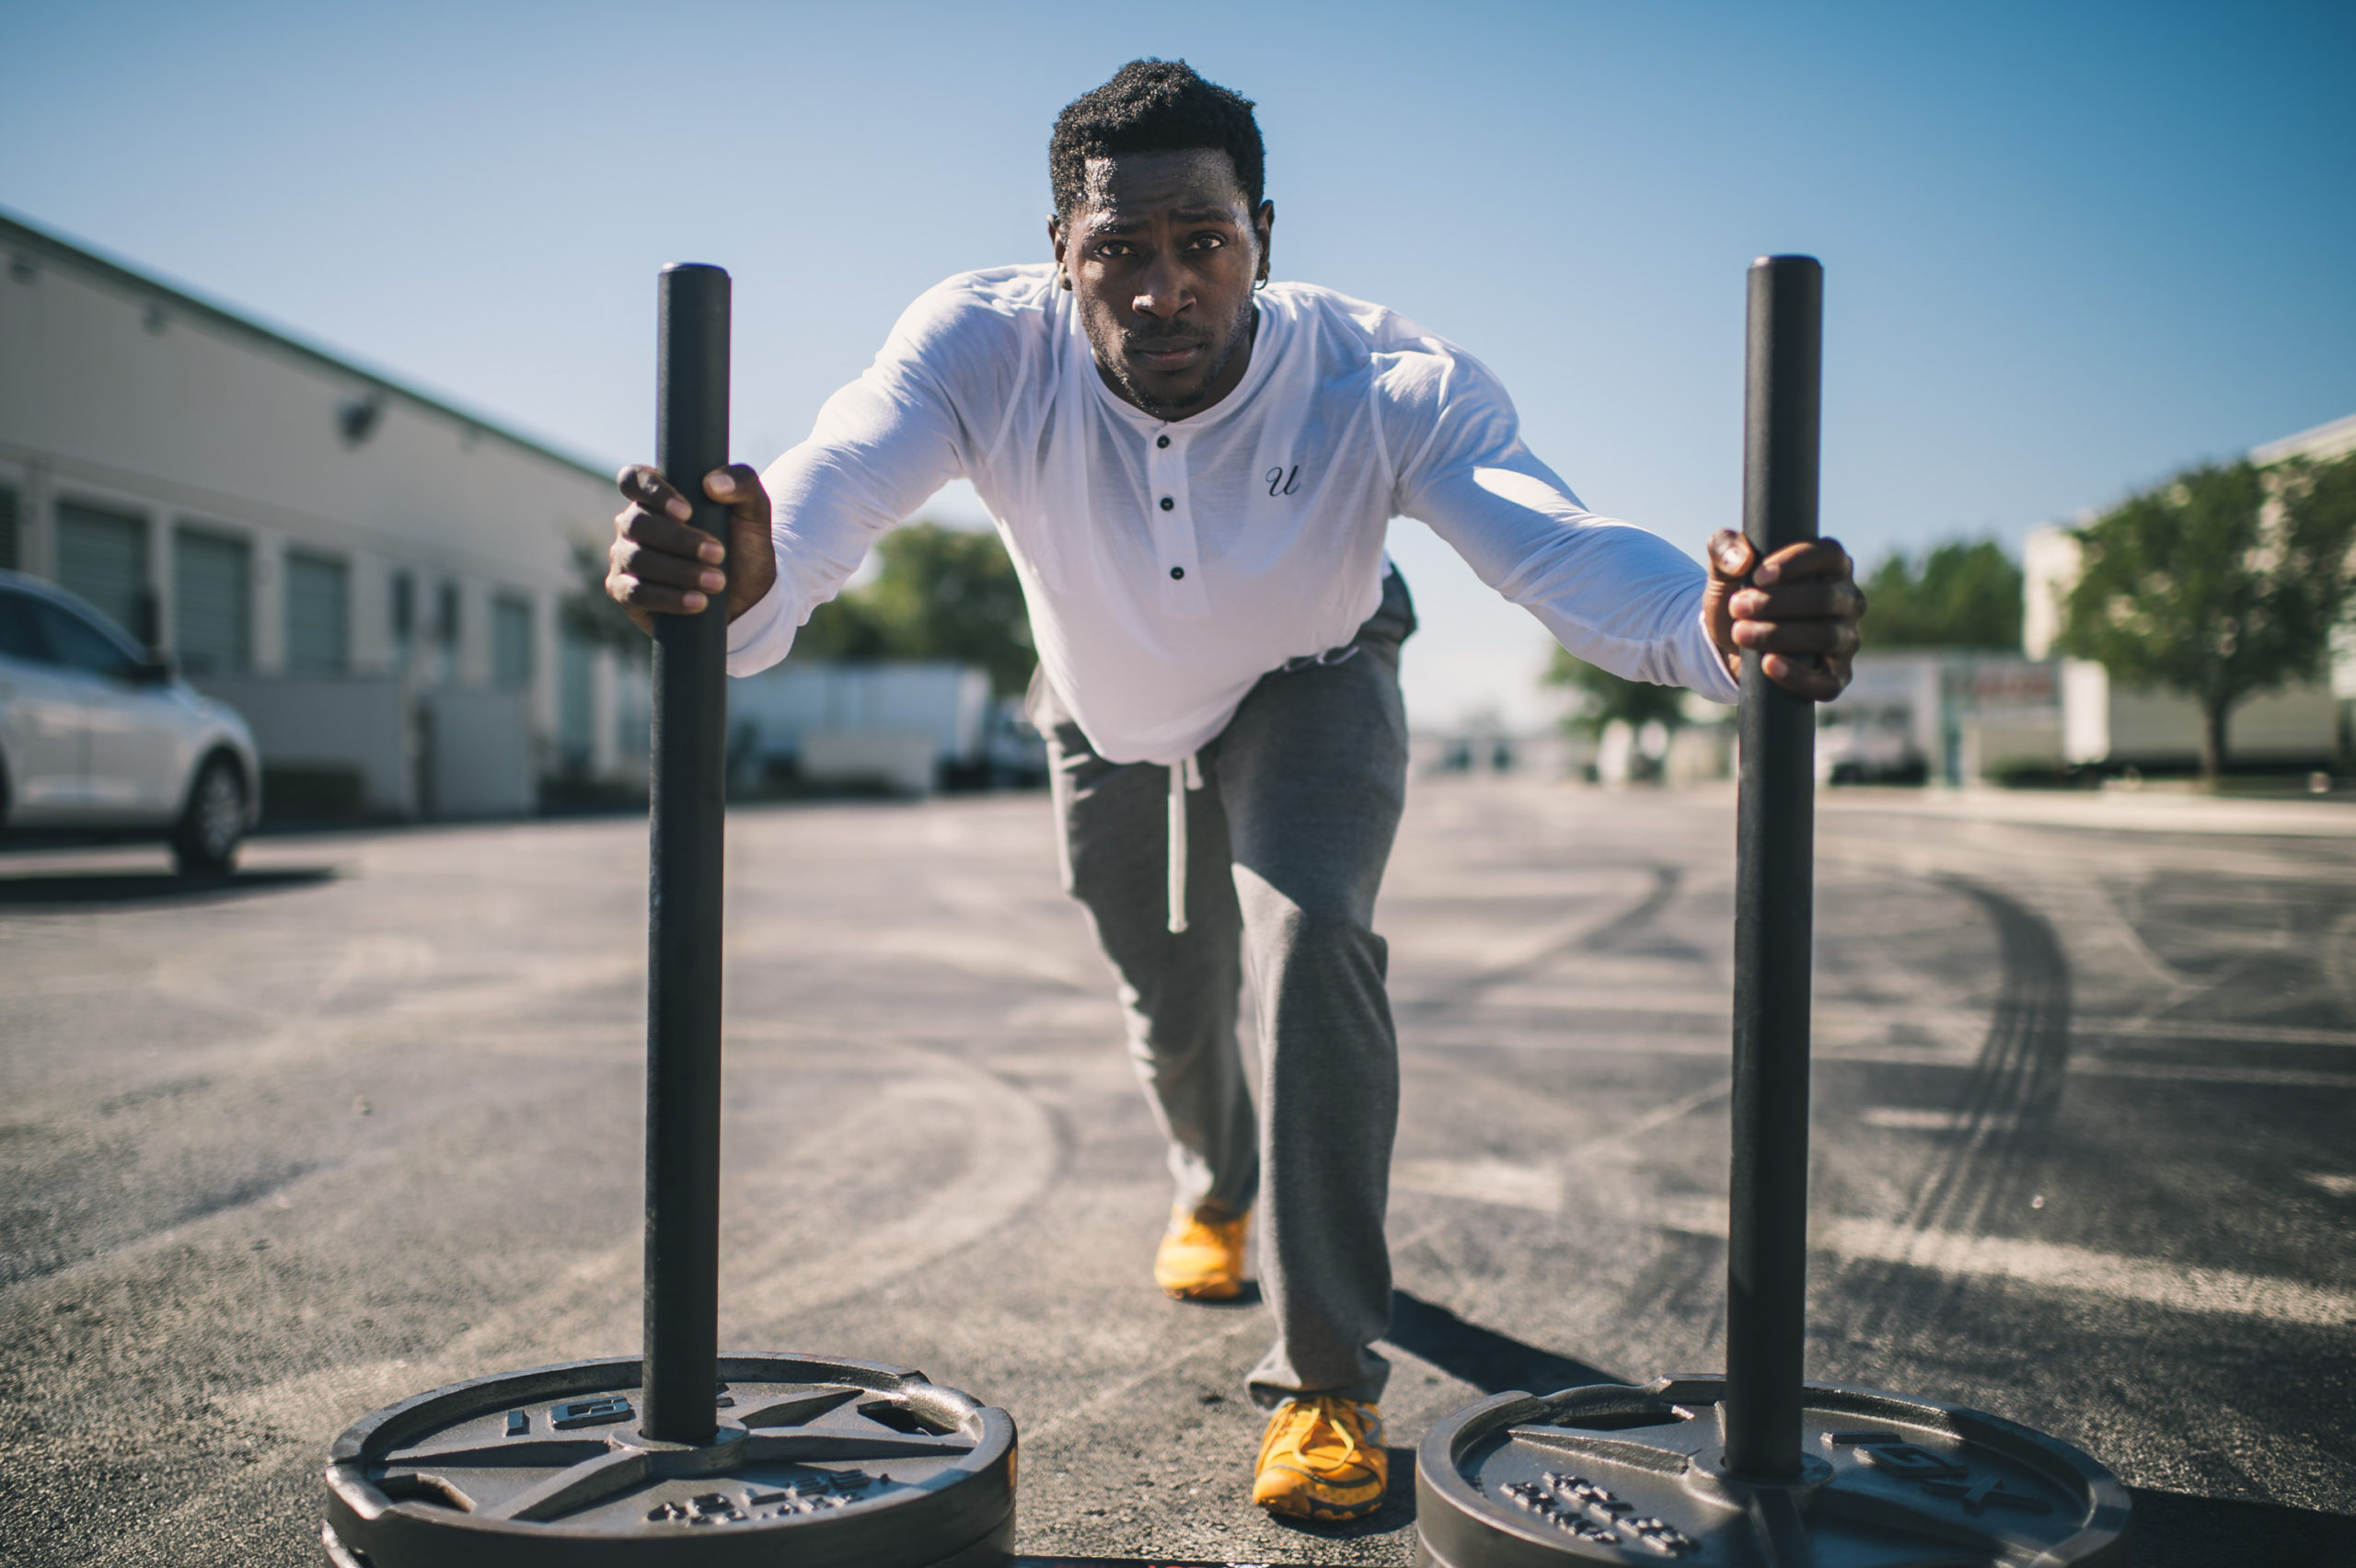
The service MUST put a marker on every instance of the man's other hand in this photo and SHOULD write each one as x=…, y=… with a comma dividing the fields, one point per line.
x=1798, y=609
x=662, y=565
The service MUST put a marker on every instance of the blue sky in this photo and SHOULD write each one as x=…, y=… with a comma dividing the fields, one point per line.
x=2069, y=247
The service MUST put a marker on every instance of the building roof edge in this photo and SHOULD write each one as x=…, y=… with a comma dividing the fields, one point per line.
x=2327, y=440
x=20, y=233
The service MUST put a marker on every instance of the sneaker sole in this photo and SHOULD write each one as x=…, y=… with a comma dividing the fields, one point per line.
x=1226, y=1291
x=1296, y=1506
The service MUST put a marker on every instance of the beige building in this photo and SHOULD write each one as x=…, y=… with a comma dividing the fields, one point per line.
x=372, y=576
x=2103, y=723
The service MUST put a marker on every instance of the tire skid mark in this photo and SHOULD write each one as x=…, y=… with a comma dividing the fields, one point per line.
x=1612, y=931
x=2081, y=895
x=2339, y=958
x=2004, y=1122
x=581, y=1312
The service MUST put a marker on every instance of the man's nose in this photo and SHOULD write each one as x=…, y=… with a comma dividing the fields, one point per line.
x=1163, y=289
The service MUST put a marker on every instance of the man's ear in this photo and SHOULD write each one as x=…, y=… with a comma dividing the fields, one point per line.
x=1264, y=223
x=1056, y=241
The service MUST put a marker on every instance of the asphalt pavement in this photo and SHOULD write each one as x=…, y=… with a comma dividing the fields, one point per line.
x=368, y=1120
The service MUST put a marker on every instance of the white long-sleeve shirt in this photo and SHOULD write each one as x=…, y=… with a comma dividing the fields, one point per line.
x=1169, y=565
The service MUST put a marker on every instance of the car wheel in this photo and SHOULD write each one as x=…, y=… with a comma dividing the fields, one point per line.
x=205, y=842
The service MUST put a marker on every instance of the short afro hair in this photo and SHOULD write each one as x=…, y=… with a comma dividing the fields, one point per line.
x=1154, y=106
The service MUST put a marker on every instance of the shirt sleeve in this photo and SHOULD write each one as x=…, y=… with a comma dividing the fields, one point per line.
x=1615, y=595
x=881, y=446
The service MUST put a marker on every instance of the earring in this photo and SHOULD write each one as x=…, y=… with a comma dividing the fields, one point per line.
x=1259, y=284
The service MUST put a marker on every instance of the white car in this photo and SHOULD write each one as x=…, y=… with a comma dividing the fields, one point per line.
x=98, y=739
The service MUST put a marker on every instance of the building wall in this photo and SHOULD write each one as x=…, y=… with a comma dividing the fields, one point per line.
x=2048, y=571
x=120, y=393
x=2105, y=723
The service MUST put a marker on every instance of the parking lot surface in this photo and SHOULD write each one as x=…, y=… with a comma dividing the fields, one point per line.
x=368, y=1120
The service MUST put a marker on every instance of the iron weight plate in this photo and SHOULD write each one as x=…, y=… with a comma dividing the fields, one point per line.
x=816, y=1462
x=1636, y=1475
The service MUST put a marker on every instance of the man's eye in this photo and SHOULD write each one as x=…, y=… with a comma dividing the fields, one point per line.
x=1112, y=248
x=1208, y=242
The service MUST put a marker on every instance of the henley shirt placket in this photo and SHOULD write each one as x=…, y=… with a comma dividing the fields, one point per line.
x=1170, y=511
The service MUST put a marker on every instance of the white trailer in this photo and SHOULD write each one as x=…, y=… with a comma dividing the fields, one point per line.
x=900, y=726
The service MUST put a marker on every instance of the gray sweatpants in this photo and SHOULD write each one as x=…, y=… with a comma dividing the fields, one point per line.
x=1286, y=840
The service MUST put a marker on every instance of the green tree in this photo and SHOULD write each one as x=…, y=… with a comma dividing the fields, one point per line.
x=2221, y=583
x=941, y=593
x=1603, y=696
x=1961, y=594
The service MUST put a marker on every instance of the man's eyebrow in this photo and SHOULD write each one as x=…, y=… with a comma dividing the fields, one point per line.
x=1118, y=223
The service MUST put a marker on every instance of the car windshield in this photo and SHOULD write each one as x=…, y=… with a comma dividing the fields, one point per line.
x=20, y=635
x=80, y=644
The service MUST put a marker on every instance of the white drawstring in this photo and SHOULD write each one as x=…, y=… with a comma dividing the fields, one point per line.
x=1185, y=775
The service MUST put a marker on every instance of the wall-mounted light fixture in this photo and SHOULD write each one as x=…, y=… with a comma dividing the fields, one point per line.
x=358, y=419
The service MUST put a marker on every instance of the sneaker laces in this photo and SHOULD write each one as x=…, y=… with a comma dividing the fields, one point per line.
x=1309, y=1415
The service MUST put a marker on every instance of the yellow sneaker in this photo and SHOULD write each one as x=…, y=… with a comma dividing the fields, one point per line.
x=1323, y=1458
x=1200, y=1260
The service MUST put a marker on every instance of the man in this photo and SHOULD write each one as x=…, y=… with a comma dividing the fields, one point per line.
x=1192, y=470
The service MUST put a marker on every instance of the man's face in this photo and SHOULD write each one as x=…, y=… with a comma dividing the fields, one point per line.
x=1161, y=256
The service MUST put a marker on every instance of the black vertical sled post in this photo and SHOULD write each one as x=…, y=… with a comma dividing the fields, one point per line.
x=684, y=881
x=632, y=1459
x=1774, y=898
x=1758, y=1467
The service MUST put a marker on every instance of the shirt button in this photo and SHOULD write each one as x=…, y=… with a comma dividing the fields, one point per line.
x=1161, y=441
x=1176, y=572
x=1167, y=503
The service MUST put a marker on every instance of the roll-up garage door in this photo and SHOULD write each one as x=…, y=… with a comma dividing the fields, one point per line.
x=319, y=614
x=511, y=642
x=212, y=602
x=102, y=556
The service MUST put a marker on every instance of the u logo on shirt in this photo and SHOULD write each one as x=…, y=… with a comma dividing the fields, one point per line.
x=1283, y=482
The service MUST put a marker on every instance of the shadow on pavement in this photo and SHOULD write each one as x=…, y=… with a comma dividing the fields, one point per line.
x=2173, y=1531
x=1491, y=1362
x=151, y=887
